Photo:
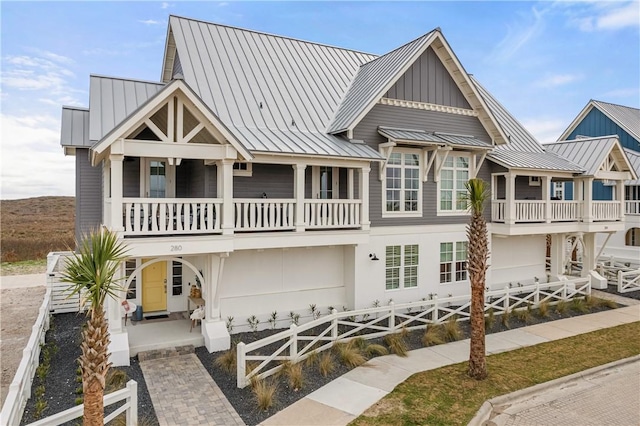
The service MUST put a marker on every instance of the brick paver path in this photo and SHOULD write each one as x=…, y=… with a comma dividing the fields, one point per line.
x=183, y=393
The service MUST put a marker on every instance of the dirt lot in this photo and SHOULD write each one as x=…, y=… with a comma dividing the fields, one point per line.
x=18, y=312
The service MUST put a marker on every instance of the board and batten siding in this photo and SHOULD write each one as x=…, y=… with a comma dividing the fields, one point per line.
x=88, y=194
x=595, y=123
x=427, y=80
x=392, y=116
x=131, y=177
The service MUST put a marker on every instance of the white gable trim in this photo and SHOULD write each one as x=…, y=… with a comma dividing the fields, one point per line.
x=200, y=110
x=576, y=121
x=605, y=171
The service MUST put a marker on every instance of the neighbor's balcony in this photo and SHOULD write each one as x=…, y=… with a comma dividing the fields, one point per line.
x=632, y=207
x=532, y=211
x=193, y=216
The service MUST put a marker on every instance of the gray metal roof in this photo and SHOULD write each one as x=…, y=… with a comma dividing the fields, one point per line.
x=634, y=159
x=74, y=130
x=412, y=135
x=519, y=138
x=545, y=161
x=277, y=93
x=111, y=100
x=626, y=117
x=589, y=153
x=372, y=80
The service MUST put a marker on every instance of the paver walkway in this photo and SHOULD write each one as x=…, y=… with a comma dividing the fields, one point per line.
x=183, y=393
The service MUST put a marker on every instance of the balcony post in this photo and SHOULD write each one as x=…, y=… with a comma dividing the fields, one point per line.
x=546, y=189
x=225, y=191
x=363, y=192
x=298, y=188
x=116, y=192
x=350, y=184
x=587, y=193
x=557, y=256
x=620, y=198
x=510, y=199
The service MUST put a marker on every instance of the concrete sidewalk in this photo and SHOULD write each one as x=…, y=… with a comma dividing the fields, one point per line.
x=344, y=399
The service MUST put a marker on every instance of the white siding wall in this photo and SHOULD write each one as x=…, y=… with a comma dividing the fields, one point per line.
x=616, y=245
x=518, y=259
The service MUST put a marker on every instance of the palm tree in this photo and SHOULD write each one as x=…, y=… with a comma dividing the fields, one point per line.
x=477, y=255
x=92, y=271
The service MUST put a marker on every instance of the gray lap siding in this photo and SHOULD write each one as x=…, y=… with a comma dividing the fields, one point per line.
x=386, y=115
x=88, y=194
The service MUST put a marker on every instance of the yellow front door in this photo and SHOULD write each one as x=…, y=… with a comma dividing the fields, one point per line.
x=154, y=287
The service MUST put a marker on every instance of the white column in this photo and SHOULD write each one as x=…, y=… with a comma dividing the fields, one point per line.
x=350, y=184
x=587, y=193
x=225, y=191
x=116, y=192
x=546, y=189
x=363, y=191
x=557, y=255
x=298, y=189
x=113, y=310
x=589, y=254
x=510, y=199
x=106, y=193
x=620, y=197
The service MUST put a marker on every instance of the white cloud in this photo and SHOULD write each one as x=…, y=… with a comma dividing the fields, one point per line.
x=165, y=5
x=223, y=4
x=602, y=16
x=622, y=17
x=545, y=129
x=151, y=22
x=33, y=163
x=626, y=92
x=518, y=35
x=556, y=80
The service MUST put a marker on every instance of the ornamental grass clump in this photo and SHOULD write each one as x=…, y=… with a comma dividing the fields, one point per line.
x=375, y=349
x=561, y=307
x=432, y=335
x=264, y=392
x=579, y=305
x=326, y=364
x=505, y=318
x=543, y=309
x=349, y=354
x=228, y=360
x=452, y=330
x=490, y=319
x=396, y=344
x=293, y=373
x=524, y=315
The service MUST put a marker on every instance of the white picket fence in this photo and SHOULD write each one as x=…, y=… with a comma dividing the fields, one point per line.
x=130, y=407
x=298, y=342
x=628, y=281
x=61, y=299
x=20, y=388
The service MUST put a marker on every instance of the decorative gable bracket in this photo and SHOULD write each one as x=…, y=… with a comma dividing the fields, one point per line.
x=385, y=150
x=440, y=155
x=612, y=167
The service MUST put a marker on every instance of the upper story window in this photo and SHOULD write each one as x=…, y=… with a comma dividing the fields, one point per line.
x=451, y=190
x=402, y=192
x=558, y=190
x=242, y=169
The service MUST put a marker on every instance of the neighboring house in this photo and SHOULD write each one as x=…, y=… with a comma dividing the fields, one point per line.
x=280, y=173
x=599, y=118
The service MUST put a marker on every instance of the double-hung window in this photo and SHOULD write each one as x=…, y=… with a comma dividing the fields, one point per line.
x=453, y=262
x=451, y=187
x=401, y=266
x=402, y=183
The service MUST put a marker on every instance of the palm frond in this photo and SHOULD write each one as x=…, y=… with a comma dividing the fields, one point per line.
x=477, y=194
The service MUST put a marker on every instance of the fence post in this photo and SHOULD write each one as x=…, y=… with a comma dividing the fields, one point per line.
x=293, y=347
x=334, y=325
x=435, y=309
x=564, y=290
x=392, y=316
x=506, y=298
x=241, y=366
x=132, y=412
x=536, y=296
x=619, y=281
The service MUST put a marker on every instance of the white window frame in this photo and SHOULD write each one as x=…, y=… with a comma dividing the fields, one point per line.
x=145, y=181
x=535, y=180
x=406, y=270
x=454, y=211
x=457, y=264
x=335, y=184
x=403, y=167
x=130, y=265
x=244, y=169
x=558, y=188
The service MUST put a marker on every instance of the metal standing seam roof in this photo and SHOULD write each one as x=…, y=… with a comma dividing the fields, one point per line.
x=634, y=159
x=588, y=153
x=547, y=161
x=519, y=138
x=74, y=130
x=111, y=100
x=626, y=117
x=372, y=80
x=432, y=137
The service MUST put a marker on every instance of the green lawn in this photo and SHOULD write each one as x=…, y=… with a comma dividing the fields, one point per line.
x=446, y=396
x=24, y=267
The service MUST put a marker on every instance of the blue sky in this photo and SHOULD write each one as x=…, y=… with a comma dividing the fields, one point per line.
x=543, y=60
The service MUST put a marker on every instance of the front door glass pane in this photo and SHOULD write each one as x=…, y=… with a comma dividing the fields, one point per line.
x=326, y=183
x=157, y=179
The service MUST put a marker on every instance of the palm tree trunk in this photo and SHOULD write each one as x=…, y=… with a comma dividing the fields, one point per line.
x=477, y=266
x=94, y=362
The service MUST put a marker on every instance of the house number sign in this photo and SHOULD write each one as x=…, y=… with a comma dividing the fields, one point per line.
x=176, y=247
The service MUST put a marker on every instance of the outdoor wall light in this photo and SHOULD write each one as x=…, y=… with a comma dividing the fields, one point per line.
x=373, y=256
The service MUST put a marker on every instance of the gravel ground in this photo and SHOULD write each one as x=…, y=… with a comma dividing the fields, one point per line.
x=61, y=382
x=613, y=289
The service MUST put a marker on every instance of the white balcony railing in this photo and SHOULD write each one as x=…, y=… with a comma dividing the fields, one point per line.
x=632, y=207
x=332, y=213
x=166, y=216
x=253, y=214
x=605, y=210
x=532, y=211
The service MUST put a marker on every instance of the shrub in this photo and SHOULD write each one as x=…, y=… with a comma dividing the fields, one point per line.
x=227, y=361
x=490, y=319
x=561, y=307
x=326, y=364
x=396, y=344
x=524, y=315
x=505, y=318
x=432, y=335
x=349, y=354
x=543, y=309
x=264, y=393
x=312, y=359
x=579, y=305
x=115, y=380
x=452, y=331
x=293, y=372
x=375, y=350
